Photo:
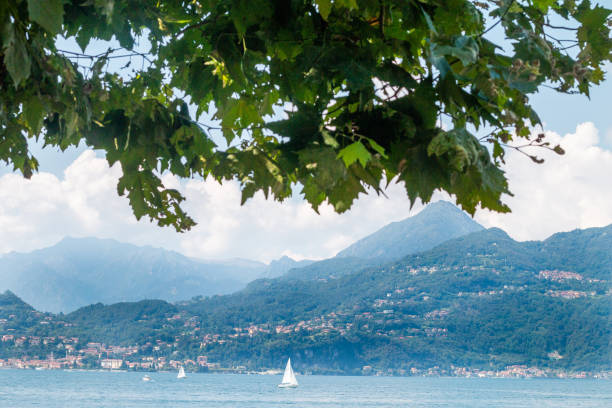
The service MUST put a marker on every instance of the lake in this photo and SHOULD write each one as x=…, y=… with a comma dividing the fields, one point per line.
x=88, y=389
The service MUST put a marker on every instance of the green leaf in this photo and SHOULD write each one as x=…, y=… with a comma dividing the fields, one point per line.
x=84, y=36
x=543, y=5
x=72, y=122
x=430, y=23
x=49, y=14
x=248, y=191
x=457, y=146
x=325, y=7
x=350, y=4
x=34, y=111
x=377, y=147
x=464, y=48
x=354, y=152
x=329, y=139
x=17, y=59
x=313, y=194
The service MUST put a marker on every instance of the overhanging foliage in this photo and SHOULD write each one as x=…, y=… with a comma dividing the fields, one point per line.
x=366, y=85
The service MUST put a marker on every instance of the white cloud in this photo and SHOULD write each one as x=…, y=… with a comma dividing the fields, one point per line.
x=39, y=212
x=571, y=191
x=265, y=229
x=607, y=140
x=566, y=192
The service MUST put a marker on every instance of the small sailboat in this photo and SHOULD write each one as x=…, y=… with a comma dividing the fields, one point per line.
x=181, y=373
x=289, y=380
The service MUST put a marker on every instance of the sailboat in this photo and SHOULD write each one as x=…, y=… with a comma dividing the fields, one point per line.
x=181, y=373
x=289, y=380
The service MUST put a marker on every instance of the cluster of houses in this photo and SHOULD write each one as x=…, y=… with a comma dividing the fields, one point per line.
x=124, y=363
x=569, y=294
x=513, y=371
x=94, y=355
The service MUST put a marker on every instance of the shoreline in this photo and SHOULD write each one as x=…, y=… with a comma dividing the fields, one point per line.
x=603, y=375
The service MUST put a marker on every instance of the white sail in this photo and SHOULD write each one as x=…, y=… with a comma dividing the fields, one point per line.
x=181, y=373
x=289, y=379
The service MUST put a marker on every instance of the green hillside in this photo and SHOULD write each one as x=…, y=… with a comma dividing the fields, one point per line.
x=482, y=301
x=479, y=300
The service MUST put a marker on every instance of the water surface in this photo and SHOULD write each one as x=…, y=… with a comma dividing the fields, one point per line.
x=60, y=389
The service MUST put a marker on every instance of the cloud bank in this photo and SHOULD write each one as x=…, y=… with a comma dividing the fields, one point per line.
x=566, y=192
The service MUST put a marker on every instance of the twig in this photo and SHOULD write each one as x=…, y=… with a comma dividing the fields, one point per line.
x=561, y=27
x=500, y=19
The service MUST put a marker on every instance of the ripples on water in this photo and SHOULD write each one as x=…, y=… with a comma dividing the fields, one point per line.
x=61, y=389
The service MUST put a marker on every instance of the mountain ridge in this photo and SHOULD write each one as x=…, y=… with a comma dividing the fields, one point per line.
x=482, y=300
x=79, y=271
x=438, y=222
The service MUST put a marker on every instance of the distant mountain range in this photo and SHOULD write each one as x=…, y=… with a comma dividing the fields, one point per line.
x=482, y=300
x=77, y=272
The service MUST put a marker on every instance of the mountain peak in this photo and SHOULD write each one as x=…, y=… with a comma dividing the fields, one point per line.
x=9, y=299
x=436, y=223
x=441, y=204
x=283, y=260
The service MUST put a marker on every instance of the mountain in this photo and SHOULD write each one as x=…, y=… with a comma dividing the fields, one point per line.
x=280, y=266
x=436, y=223
x=15, y=314
x=331, y=268
x=587, y=251
x=236, y=269
x=80, y=271
x=126, y=322
x=10, y=303
x=483, y=301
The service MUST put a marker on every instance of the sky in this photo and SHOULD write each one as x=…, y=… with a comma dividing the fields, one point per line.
x=74, y=194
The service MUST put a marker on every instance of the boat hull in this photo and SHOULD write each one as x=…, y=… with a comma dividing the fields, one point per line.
x=287, y=385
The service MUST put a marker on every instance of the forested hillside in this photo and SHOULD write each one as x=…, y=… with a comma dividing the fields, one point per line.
x=482, y=300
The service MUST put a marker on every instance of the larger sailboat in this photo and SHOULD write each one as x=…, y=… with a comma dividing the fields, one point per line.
x=181, y=373
x=289, y=380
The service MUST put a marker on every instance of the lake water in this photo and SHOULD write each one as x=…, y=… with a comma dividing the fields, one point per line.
x=55, y=389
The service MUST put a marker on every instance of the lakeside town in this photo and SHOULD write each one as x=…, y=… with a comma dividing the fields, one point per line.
x=98, y=356
x=201, y=364
x=384, y=317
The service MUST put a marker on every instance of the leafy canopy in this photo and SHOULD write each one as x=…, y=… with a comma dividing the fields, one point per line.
x=365, y=84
